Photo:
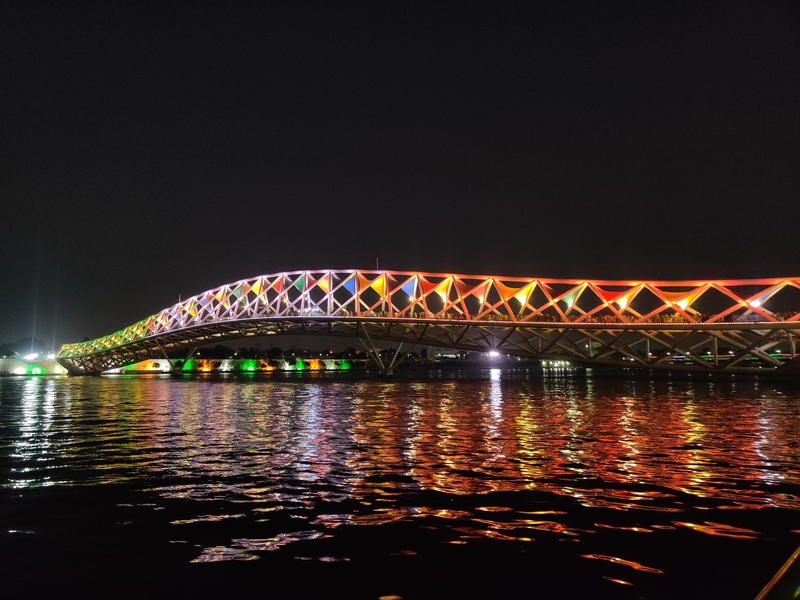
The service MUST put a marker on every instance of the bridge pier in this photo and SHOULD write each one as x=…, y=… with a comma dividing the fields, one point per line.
x=385, y=370
x=397, y=358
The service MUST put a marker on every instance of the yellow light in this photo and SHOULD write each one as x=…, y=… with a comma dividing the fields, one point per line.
x=442, y=289
x=623, y=302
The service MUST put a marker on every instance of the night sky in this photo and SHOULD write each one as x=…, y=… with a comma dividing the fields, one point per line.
x=154, y=151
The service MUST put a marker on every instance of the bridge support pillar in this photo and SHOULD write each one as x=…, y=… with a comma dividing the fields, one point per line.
x=397, y=358
x=176, y=364
x=172, y=362
x=168, y=359
x=386, y=370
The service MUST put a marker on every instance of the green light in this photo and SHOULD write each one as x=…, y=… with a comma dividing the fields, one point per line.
x=36, y=370
x=189, y=365
x=249, y=365
x=344, y=365
x=299, y=365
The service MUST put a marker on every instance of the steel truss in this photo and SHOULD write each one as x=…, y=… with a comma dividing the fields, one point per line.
x=736, y=326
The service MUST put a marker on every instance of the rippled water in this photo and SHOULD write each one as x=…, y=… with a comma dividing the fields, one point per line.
x=490, y=486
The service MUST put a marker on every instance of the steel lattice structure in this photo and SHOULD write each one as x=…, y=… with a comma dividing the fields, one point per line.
x=734, y=325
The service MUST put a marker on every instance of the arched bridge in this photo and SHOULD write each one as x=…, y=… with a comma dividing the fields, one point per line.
x=735, y=325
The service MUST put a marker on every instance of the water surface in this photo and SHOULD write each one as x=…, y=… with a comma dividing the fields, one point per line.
x=492, y=485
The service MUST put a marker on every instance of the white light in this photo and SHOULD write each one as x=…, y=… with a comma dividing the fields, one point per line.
x=19, y=371
x=51, y=356
x=755, y=303
x=494, y=353
x=31, y=356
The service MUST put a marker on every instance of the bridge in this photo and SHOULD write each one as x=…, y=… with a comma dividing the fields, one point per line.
x=736, y=326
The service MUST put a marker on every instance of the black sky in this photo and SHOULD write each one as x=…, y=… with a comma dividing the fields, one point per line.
x=148, y=152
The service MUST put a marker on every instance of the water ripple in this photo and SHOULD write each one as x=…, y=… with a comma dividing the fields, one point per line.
x=508, y=465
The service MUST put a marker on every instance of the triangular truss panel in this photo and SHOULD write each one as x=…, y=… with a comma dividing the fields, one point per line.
x=712, y=324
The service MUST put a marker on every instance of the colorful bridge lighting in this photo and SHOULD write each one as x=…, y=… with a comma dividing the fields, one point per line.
x=594, y=321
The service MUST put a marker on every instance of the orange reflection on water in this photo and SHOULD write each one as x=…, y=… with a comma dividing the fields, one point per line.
x=619, y=581
x=630, y=446
x=721, y=530
x=623, y=528
x=626, y=563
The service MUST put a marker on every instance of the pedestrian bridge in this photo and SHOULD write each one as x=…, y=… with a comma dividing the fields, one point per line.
x=714, y=325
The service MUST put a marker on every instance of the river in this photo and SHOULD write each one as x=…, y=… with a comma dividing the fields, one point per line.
x=490, y=484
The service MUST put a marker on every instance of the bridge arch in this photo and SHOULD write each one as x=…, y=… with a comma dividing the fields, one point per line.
x=712, y=325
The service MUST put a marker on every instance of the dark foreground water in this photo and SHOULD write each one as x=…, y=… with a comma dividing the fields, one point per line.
x=490, y=486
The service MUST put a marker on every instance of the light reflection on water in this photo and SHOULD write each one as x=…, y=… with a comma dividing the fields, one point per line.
x=560, y=459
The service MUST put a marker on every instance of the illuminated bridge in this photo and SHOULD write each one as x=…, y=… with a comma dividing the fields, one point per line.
x=726, y=326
